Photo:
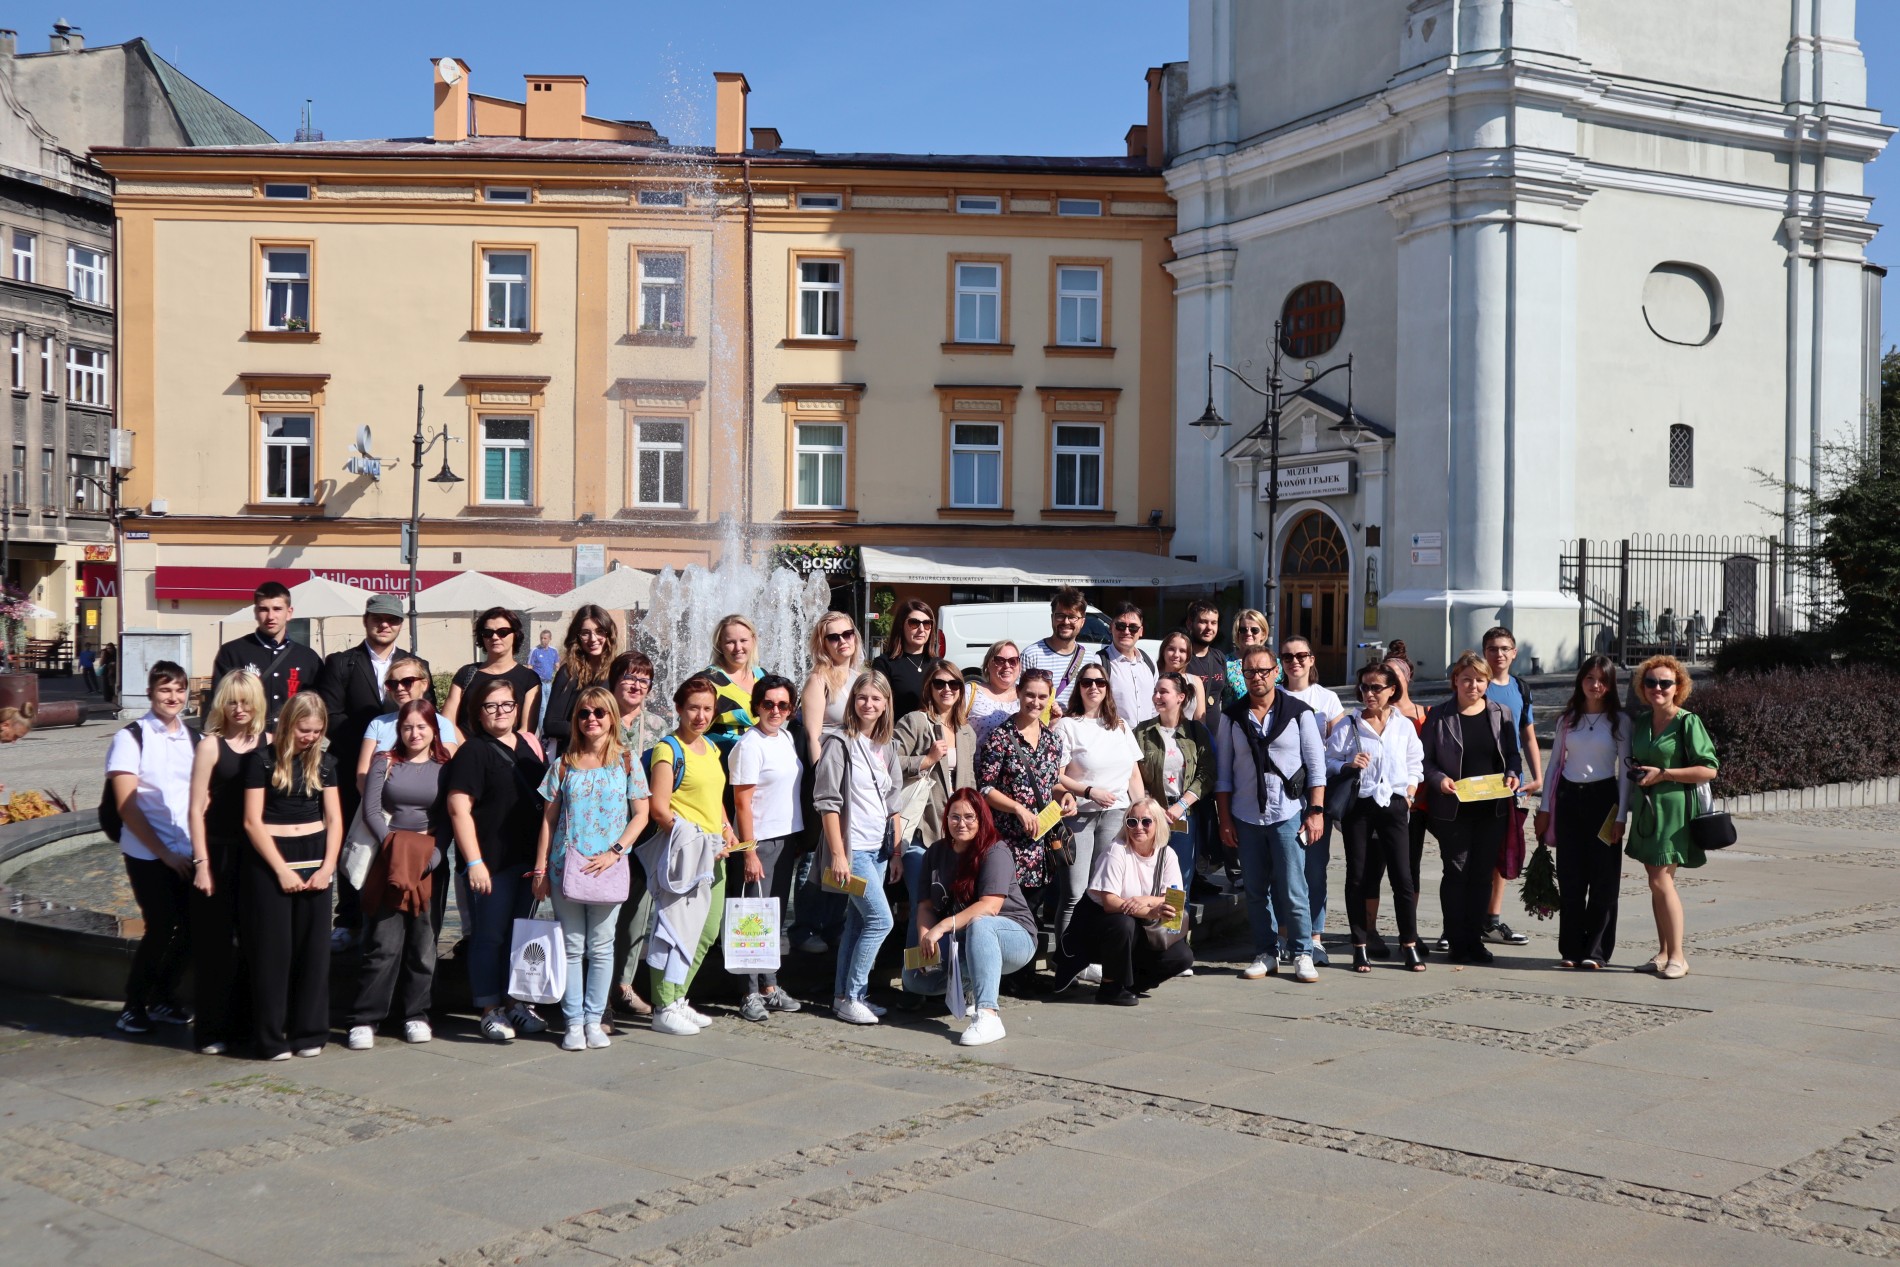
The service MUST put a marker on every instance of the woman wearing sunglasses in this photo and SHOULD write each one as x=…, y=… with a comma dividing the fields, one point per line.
x=498, y=639
x=837, y=655
x=905, y=658
x=1177, y=765
x=1671, y=755
x=855, y=795
x=1103, y=773
x=1380, y=752
x=631, y=678
x=765, y=773
x=406, y=681
x=1127, y=889
x=993, y=696
x=936, y=746
x=1250, y=630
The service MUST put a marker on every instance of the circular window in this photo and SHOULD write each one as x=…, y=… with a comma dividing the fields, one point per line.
x=1682, y=304
x=1311, y=319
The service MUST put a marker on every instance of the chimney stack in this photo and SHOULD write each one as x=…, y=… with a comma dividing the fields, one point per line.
x=9, y=44
x=766, y=140
x=1137, y=141
x=66, y=37
x=451, y=99
x=1157, y=133
x=729, y=93
x=555, y=106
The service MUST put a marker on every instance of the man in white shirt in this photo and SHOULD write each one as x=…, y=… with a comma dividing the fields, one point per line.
x=1060, y=654
x=1302, y=684
x=1131, y=674
x=148, y=771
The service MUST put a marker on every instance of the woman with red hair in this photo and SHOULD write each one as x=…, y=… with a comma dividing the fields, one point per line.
x=970, y=895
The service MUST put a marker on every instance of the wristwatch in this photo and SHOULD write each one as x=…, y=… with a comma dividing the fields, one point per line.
x=617, y=847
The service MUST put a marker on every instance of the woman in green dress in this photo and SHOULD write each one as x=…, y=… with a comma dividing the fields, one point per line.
x=1671, y=755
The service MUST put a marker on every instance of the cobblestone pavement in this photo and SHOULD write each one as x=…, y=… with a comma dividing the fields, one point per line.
x=1748, y=1113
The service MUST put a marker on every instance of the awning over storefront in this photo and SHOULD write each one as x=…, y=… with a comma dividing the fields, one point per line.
x=969, y=565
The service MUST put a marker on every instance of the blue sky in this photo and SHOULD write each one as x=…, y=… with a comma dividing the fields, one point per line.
x=984, y=76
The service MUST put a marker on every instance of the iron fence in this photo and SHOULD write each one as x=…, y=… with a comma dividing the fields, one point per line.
x=1686, y=595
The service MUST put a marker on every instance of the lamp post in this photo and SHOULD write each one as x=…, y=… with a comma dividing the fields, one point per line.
x=1277, y=395
x=444, y=478
x=119, y=514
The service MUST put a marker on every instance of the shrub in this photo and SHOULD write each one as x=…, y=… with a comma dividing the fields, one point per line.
x=1798, y=728
x=440, y=684
x=1764, y=654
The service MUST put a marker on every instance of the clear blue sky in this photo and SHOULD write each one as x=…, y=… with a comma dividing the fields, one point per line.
x=984, y=76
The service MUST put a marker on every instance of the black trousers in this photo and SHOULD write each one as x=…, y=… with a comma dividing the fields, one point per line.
x=164, y=899
x=1588, y=871
x=399, y=959
x=1469, y=845
x=1116, y=942
x=1377, y=844
x=287, y=939
x=220, y=1007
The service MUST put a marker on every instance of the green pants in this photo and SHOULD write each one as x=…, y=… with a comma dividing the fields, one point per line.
x=666, y=992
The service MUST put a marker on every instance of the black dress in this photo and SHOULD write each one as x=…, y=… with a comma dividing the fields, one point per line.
x=221, y=1009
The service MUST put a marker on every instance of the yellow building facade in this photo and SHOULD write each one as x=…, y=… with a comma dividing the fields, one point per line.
x=635, y=347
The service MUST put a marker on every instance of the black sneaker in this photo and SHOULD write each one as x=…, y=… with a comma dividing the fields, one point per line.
x=1499, y=933
x=1472, y=954
x=135, y=1020
x=170, y=1014
x=1444, y=946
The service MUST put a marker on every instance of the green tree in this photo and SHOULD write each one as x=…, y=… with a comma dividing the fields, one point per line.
x=1856, y=513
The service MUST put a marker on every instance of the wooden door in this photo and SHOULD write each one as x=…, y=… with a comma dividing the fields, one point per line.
x=1315, y=584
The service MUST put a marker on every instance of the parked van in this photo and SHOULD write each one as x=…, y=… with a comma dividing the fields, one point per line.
x=966, y=630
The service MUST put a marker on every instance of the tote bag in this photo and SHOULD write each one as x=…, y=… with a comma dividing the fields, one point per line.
x=537, y=966
x=749, y=941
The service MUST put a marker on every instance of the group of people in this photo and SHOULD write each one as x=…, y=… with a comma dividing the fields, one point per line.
x=1093, y=792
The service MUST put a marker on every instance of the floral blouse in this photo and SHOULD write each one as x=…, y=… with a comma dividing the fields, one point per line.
x=1027, y=776
x=594, y=806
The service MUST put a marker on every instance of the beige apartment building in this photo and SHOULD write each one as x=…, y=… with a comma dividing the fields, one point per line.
x=636, y=347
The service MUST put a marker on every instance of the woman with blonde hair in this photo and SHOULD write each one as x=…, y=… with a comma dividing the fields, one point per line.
x=837, y=654
x=993, y=695
x=1127, y=889
x=234, y=726
x=1671, y=756
x=592, y=642
x=734, y=672
x=1250, y=630
x=855, y=794
x=294, y=819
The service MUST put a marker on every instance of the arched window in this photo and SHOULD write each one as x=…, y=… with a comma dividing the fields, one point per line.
x=1681, y=456
x=1311, y=319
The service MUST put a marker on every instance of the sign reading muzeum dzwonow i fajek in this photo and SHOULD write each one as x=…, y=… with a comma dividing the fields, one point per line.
x=1310, y=479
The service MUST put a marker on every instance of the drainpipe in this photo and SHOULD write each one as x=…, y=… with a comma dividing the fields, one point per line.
x=746, y=443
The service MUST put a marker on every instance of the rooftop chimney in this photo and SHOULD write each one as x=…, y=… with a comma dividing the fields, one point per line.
x=9, y=43
x=1137, y=141
x=729, y=93
x=555, y=106
x=66, y=37
x=451, y=99
x=1157, y=134
x=766, y=140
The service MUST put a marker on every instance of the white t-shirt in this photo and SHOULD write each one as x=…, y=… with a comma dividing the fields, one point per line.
x=383, y=731
x=1099, y=756
x=163, y=765
x=1323, y=702
x=1125, y=873
x=769, y=765
x=869, y=788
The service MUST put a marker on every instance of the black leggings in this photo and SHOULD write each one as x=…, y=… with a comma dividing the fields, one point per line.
x=1588, y=871
x=219, y=992
x=1377, y=843
x=1469, y=845
x=165, y=947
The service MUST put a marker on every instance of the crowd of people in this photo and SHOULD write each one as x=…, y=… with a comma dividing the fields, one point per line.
x=1092, y=793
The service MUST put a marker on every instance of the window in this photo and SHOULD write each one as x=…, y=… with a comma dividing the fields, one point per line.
x=1078, y=206
x=979, y=303
x=1311, y=319
x=24, y=246
x=976, y=464
x=821, y=202
x=662, y=293
x=286, y=288
x=18, y=475
x=662, y=197
x=819, y=462
x=47, y=385
x=507, y=459
x=86, y=274
x=505, y=279
x=47, y=500
x=979, y=205
x=512, y=194
x=291, y=192
x=288, y=444
x=16, y=353
x=87, y=495
x=821, y=299
x=659, y=462
x=86, y=376
x=1079, y=306
x=1681, y=456
x=1078, y=467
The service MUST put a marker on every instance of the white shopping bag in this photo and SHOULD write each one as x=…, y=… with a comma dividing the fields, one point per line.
x=537, y=970
x=750, y=938
x=953, y=963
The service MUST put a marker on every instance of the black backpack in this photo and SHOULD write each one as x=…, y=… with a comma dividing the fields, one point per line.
x=110, y=820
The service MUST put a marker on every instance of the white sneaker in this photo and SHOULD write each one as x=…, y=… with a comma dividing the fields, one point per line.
x=1091, y=975
x=310, y=1053
x=361, y=1038
x=694, y=1015
x=852, y=1011
x=526, y=1020
x=597, y=1037
x=575, y=1039
x=416, y=1032
x=672, y=1019
x=282, y=1055
x=986, y=1028
x=1259, y=968
x=212, y=1049
x=495, y=1026
x=1303, y=970
x=1187, y=972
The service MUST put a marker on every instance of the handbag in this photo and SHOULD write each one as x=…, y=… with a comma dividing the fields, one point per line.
x=1060, y=842
x=1157, y=937
x=1343, y=790
x=1707, y=828
x=749, y=940
x=537, y=961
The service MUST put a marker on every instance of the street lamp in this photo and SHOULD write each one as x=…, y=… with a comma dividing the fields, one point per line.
x=1277, y=395
x=444, y=478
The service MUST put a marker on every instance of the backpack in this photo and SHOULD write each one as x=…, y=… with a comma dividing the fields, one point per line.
x=679, y=761
x=1107, y=656
x=111, y=822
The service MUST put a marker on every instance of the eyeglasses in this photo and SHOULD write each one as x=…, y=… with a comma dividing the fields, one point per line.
x=1093, y=683
x=1064, y=617
x=633, y=679
x=1007, y=661
x=1659, y=684
x=1298, y=656
x=498, y=631
x=946, y=684
x=1499, y=648
x=1143, y=823
x=592, y=714
x=845, y=635
x=1258, y=672
x=918, y=622
x=403, y=683
x=1123, y=626
x=776, y=706
x=499, y=709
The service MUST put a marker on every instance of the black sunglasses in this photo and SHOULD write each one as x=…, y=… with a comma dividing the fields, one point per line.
x=1122, y=626
x=498, y=631
x=1088, y=682
x=598, y=714
x=946, y=684
x=842, y=636
x=1659, y=684
x=918, y=622
x=403, y=683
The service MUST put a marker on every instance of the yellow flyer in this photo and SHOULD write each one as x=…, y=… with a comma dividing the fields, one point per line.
x=914, y=960
x=742, y=846
x=1177, y=903
x=1609, y=825
x=853, y=885
x=1483, y=787
x=1050, y=816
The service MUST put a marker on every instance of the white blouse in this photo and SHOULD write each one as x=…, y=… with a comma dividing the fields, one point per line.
x=1397, y=757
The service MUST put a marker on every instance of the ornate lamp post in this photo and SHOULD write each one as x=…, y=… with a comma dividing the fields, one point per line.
x=444, y=478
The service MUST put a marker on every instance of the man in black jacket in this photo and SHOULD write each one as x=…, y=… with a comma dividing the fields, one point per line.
x=286, y=667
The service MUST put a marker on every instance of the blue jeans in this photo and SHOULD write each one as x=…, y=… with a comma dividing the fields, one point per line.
x=867, y=922
x=992, y=945
x=588, y=930
x=914, y=852
x=1274, y=869
x=491, y=920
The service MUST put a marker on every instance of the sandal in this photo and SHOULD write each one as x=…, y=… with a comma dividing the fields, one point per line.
x=1414, y=960
x=1674, y=970
x=1359, y=963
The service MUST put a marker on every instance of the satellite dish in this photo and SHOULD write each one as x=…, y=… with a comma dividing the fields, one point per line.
x=449, y=69
x=361, y=463
x=362, y=439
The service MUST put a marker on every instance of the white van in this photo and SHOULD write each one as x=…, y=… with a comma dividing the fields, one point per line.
x=966, y=630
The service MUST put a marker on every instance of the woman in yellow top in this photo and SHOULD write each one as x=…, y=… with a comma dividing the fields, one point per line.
x=734, y=672
x=696, y=793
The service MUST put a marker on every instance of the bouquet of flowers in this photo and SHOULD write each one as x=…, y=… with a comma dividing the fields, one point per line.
x=1540, y=883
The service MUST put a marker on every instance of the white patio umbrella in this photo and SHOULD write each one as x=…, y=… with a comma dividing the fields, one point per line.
x=476, y=591
x=617, y=589
x=318, y=598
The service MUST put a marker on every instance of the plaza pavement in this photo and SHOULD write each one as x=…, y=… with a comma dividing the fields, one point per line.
x=1749, y=1113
